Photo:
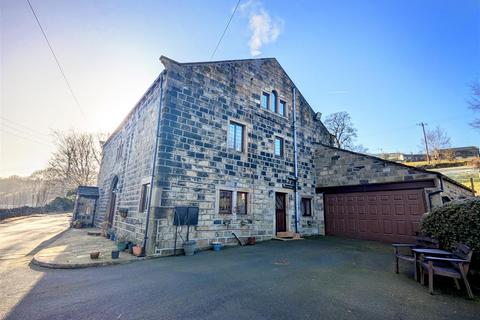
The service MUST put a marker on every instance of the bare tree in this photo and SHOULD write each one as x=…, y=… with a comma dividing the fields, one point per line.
x=437, y=140
x=341, y=127
x=76, y=160
x=475, y=103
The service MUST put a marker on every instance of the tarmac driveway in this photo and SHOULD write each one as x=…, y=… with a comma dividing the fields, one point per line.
x=323, y=278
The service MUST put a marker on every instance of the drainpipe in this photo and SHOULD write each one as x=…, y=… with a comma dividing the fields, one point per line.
x=435, y=192
x=295, y=158
x=154, y=160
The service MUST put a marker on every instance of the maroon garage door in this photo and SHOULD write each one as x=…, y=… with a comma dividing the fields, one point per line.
x=389, y=216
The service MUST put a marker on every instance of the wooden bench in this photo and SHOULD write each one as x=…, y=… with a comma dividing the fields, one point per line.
x=454, y=266
x=407, y=255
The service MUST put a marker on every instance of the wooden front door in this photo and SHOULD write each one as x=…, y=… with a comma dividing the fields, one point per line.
x=280, y=212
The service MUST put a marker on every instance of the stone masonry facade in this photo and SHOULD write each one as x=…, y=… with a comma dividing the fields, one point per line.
x=195, y=162
x=198, y=102
x=127, y=158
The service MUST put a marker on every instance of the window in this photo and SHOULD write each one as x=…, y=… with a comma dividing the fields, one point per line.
x=282, y=107
x=242, y=202
x=306, y=207
x=274, y=101
x=279, y=146
x=265, y=100
x=235, y=136
x=144, y=197
x=225, y=205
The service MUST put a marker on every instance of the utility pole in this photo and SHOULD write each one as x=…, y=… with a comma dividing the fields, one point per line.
x=422, y=124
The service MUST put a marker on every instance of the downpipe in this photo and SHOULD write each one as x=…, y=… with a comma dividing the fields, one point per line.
x=154, y=160
x=295, y=158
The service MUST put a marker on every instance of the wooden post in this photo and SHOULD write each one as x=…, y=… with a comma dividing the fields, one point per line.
x=472, y=185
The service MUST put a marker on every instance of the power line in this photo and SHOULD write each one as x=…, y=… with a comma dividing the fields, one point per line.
x=224, y=30
x=23, y=127
x=23, y=137
x=21, y=131
x=56, y=60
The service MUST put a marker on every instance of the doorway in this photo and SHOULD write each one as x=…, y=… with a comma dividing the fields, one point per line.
x=280, y=212
x=113, y=198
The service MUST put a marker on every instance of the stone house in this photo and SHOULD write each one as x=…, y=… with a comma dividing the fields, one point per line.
x=238, y=141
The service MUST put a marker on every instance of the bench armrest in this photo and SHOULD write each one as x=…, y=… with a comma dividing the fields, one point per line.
x=445, y=259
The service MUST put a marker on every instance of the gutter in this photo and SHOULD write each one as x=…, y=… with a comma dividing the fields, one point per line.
x=435, y=192
x=154, y=160
x=295, y=158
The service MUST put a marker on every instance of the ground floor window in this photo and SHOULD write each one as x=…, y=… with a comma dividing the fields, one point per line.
x=242, y=202
x=225, y=206
x=233, y=201
x=306, y=207
x=144, y=197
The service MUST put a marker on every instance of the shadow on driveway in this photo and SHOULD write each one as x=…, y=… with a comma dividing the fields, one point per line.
x=322, y=278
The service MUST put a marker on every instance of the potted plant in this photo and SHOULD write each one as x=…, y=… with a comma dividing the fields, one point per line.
x=216, y=246
x=115, y=254
x=189, y=247
x=121, y=243
x=137, y=250
x=94, y=255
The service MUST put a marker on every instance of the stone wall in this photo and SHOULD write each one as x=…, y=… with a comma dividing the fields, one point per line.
x=128, y=155
x=195, y=163
x=336, y=167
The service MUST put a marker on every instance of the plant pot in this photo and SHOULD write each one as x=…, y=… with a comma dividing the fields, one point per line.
x=94, y=255
x=137, y=250
x=189, y=247
x=121, y=246
x=107, y=236
x=251, y=241
x=216, y=246
x=130, y=246
x=115, y=254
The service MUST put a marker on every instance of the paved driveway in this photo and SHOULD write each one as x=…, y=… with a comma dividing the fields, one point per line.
x=20, y=238
x=327, y=278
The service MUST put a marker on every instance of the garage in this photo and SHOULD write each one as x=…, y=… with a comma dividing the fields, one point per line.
x=388, y=216
x=369, y=198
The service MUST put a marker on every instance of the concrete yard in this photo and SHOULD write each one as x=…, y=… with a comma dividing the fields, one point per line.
x=323, y=278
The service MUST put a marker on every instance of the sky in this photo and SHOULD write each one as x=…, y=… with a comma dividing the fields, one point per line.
x=389, y=64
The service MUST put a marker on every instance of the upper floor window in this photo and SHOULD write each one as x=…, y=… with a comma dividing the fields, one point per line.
x=273, y=106
x=225, y=203
x=236, y=136
x=282, y=107
x=306, y=207
x=265, y=100
x=279, y=146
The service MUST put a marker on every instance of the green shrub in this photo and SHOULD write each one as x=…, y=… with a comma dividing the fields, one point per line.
x=456, y=221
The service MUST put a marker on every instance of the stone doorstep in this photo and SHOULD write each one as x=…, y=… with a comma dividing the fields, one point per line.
x=288, y=234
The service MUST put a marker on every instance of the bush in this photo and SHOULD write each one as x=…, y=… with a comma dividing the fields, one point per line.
x=456, y=221
x=61, y=204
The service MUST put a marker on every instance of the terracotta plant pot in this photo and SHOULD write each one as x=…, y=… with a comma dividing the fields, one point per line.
x=251, y=241
x=137, y=250
x=94, y=255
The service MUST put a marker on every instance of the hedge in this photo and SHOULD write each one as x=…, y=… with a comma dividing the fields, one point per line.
x=455, y=221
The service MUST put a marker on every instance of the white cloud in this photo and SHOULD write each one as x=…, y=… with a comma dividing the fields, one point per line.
x=263, y=28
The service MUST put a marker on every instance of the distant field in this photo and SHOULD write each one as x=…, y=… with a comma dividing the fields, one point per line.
x=439, y=163
x=463, y=175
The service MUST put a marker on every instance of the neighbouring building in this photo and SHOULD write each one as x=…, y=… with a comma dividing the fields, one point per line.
x=462, y=152
x=220, y=137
